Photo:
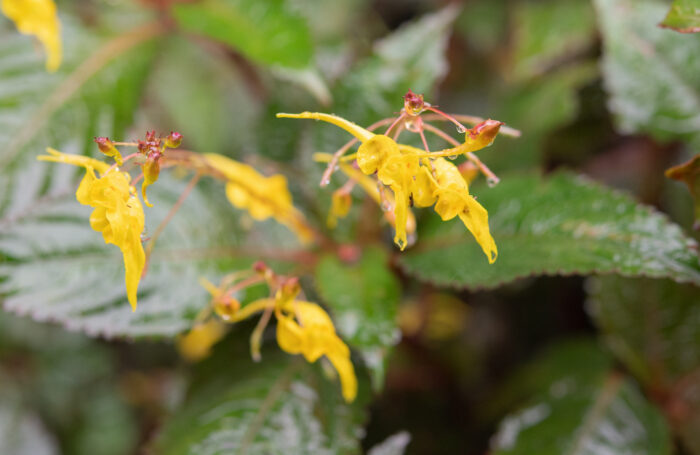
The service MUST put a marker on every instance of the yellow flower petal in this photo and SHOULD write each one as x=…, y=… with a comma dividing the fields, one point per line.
x=352, y=128
x=313, y=335
x=263, y=197
x=374, y=152
x=117, y=213
x=476, y=219
x=341, y=201
x=348, y=380
x=38, y=18
x=196, y=344
x=75, y=160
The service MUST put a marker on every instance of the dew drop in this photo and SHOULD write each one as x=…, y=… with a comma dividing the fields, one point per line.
x=452, y=157
x=461, y=129
x=325, y=181
x=491, y=182
x=386, y=206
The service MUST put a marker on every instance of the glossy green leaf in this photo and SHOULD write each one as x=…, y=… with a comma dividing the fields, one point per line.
x=279, y=406
x=561, y=225
x=684, y=16
x=652, y=75
x=363, y=299
x=582, y=408
x=267, y=32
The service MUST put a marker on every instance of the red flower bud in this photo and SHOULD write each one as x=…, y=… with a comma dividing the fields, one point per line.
x=413, y=103
x=107, y=147
x=173, y=140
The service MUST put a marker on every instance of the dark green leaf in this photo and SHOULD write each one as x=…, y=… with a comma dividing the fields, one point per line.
x=582, y=408
x=363, y=299
x=267, y=32
x=653, y=326
x=652, y=75
x=276, y=407
x=684, y=16
x=562, y=225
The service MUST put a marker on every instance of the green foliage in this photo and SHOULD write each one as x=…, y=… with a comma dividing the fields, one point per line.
x=364, y=300
x=281, y=406
x=217, y=71
x=652, y=75
x=545, y=33
x=562, y=225
x=268, y=32
x=580, y=407
x=684, y=16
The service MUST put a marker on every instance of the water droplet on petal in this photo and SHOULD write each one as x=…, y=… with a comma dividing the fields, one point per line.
x=452, y=157
x=325, y=181
x=491, y=182
x=461, y=129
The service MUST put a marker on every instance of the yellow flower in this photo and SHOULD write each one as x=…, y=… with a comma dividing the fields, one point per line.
x=118, y=213
x=398, y=166
x=381, y=154
x=341, y=202
x=305, y=328
x=38, y=18
x=450, y=193
x=196, y=344
x=263, y=197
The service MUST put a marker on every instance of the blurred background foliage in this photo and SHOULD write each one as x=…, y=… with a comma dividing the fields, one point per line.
x=581, y=339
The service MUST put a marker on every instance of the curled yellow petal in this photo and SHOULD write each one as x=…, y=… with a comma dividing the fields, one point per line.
x=352, y=128
x=341, y=202
x=263, y=197
x=305, y=328
x=196, y=344
x=75, y=160
x=374, y=152
x=117, y=215
x=38, y=18
x=476, y=219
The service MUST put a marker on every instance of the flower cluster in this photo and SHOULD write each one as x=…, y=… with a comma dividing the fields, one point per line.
x=263, y=197
x=118, y=213
x=415, y=177
x=302, y=327
x=38, y=18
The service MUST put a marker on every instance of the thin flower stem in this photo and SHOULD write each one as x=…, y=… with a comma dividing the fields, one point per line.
x=398, y=132
x=124, y=160
x=137, y=179
x=168, y=217
x=473, y=120
x=459, y=126
x=326, y=177
x=422, y=138
x=398, y=119
x=250, y=281
x=470, y=156
x=256, y=336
